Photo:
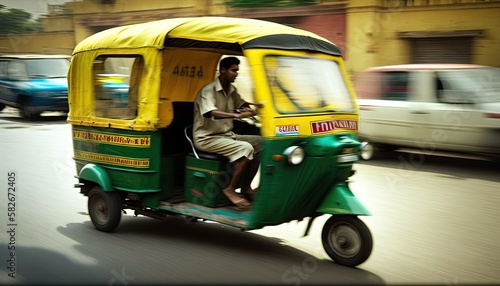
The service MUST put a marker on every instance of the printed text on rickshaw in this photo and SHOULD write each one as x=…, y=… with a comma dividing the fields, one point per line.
x=330, y=125
x=138, y=141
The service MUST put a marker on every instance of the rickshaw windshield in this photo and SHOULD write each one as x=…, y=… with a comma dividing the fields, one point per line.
x=307, y=85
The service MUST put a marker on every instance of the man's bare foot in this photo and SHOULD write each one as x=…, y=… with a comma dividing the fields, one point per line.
x=235, y=198
x=251, y=194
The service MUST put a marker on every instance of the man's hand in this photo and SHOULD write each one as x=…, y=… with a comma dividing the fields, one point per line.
x=245, y=112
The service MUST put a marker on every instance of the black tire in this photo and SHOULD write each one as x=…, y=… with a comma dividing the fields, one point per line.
x=105, y=209
x=2, y=106
x=347, y=240
x=25, y=109
x=387, y=147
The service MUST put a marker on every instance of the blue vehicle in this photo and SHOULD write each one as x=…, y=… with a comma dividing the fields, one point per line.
x=34, y=83
x=113, y=87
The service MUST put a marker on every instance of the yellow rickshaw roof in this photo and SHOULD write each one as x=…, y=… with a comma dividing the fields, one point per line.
x=182, y=37
x=245, y=33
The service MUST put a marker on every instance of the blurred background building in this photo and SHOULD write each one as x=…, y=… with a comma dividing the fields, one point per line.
x=369, y=32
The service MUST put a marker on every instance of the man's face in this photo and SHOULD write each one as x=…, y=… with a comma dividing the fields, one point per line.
x=230, y=74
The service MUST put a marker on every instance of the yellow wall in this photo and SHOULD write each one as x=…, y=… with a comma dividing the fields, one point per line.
x=93, y=7
x=372, y=30
x=81, y=19
x=46, y=43
x=371, y=26
x=90, y=16
x=58, y=24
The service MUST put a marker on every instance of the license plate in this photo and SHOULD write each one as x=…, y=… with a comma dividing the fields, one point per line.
x=347, y=158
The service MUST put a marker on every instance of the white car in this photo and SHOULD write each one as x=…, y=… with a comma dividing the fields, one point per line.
x=451, y=107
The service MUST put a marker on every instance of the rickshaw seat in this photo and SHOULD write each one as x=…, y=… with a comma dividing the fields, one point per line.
x=188, y=132
x=206, y=175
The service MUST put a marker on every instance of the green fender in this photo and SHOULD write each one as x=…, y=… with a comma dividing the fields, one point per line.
x=96, y=174
x=340, y=200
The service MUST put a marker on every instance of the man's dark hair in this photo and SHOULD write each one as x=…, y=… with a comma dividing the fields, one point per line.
x=228, y=62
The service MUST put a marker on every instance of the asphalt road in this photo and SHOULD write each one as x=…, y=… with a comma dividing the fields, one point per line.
x=435, y=221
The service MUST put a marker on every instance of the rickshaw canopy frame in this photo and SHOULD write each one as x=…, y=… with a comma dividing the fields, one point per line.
x=150, y=40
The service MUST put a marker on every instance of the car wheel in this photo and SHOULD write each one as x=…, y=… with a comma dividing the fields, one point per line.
x=387, y=147
x=104, y=209
x=26, y=110
x=367, y=151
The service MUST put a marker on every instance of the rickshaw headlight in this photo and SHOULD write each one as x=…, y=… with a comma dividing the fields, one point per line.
x=294, y=155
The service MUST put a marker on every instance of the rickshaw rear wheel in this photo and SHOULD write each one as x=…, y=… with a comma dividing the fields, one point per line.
x=104, y=209
x=347, y=240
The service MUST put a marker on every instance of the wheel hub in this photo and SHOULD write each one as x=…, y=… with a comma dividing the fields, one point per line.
x=345, y=240
x=101, y=208
x=367, y=151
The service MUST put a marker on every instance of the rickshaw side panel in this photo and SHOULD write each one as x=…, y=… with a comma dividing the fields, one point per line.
x=119, y=159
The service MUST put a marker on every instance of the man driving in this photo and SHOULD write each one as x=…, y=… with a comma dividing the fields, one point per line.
x=215, y=107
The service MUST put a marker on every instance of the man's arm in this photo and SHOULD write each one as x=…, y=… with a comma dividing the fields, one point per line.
x=247, y=104
x=219, y=114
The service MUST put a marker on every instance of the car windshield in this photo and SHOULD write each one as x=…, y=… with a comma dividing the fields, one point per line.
x=481, y=85
x=57, y=67
x=306, y=84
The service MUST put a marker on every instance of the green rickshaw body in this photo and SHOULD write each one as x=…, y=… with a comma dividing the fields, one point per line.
x=131, y=94
x=295, y=192
x=125, y=160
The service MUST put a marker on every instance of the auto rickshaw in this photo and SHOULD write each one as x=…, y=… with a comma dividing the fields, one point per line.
x=136, y=153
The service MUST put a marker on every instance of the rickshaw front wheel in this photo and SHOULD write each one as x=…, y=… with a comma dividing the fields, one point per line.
x=104, y=209
x=347, y=240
